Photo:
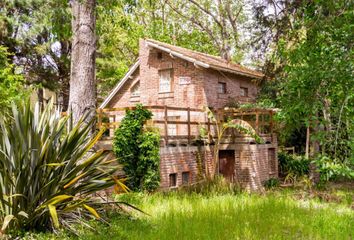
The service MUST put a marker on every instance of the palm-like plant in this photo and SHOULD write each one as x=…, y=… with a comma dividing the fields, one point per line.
x=220, y=128
x=47, y=176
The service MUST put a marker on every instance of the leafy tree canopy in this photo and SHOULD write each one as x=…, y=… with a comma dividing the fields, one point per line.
x=11, y=84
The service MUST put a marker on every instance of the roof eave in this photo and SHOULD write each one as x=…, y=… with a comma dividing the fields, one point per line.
x=120, y=84
x=177, y=54
x=200, y=63
x=237, y=72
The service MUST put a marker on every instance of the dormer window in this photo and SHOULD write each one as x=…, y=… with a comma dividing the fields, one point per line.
x=135, y=89
x=244, y=92
x=165, y=81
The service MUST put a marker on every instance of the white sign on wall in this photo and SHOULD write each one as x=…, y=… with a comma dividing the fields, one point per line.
x=184, y=80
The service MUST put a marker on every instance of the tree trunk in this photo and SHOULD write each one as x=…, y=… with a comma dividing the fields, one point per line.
x=82, y=98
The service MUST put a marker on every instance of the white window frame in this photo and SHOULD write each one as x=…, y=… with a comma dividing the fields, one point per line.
x=135, y=89
x=165, y=81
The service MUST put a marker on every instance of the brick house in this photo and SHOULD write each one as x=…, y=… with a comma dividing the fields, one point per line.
x=176, y=83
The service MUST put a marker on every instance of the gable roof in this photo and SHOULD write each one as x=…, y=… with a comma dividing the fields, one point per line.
x=197, y=58
x=204, y=60
x=120, y=84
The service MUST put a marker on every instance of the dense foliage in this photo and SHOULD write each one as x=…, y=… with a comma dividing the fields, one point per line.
x=137, y=149
x=47, y=175
x=291, y=164
x=312, y=69
x=37, y=33
x=318, y=90
x=333, y=170
x=11, y=84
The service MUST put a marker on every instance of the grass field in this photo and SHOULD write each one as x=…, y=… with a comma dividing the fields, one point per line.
x=276, y=215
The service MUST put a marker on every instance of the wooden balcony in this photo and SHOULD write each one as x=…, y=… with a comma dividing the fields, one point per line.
x=182, y=126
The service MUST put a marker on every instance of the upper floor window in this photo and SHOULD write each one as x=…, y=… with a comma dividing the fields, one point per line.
x=221, y=87
x=135, y=90
x=159, y=55
x=244, y=91
x=165, y=80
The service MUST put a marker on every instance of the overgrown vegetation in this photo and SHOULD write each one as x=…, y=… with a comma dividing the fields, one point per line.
x=333, y=170
x=137, y=149
x=271, y=183
x=312, y=67
x=188, y=215
x=292, y=164
x=48, y=172
x=11, y=83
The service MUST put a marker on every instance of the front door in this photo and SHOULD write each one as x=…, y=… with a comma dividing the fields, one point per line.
x=227, y=164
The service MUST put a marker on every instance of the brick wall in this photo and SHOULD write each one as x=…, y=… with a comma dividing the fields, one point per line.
x=175, y=160
x=252, y=163
x=200, y=92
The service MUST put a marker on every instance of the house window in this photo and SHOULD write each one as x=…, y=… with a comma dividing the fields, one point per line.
x=159, y=55
x=165, y=81
x=222, y=87
x=172, y=127
x=173, y=179
x=272, y=164
x=135, y=90
x=185, y=178
x=244, y=91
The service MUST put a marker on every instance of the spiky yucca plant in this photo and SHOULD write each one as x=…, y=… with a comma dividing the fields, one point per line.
x=47, y=176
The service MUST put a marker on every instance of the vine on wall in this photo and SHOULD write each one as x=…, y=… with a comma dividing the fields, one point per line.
x=137, y=149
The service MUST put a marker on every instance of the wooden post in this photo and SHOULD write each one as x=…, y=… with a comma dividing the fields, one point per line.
x=271, y=125
x=209, y=130
x=257, y=122
x=166, y=125
x=100, y=118
x=114, y=124
x=189, y=125
x=307, y=150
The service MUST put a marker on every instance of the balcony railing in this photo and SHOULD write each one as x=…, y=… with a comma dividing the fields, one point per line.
x=182, y=126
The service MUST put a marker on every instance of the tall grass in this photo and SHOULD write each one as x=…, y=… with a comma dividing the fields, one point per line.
x=227, y=216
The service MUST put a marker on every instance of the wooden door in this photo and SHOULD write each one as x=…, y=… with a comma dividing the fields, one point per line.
x=227, y=164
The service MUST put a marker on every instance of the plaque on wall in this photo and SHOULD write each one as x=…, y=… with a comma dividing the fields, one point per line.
x=184, y=80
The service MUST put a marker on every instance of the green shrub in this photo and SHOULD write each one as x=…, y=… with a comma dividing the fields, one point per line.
x=137, y=149
x=295, y=165
x=331, y=169
x=47, y=176
x=271, y=183
x=11, y=84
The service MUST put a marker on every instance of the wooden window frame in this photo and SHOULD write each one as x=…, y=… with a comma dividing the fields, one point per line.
x=175, y=180
x=244, y=91
x=224, y=87
x=171, y=80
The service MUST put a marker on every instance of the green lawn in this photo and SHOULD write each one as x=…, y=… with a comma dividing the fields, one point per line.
x=276, y=215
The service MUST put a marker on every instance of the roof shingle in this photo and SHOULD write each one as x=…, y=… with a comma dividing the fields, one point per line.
x=213, y=61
